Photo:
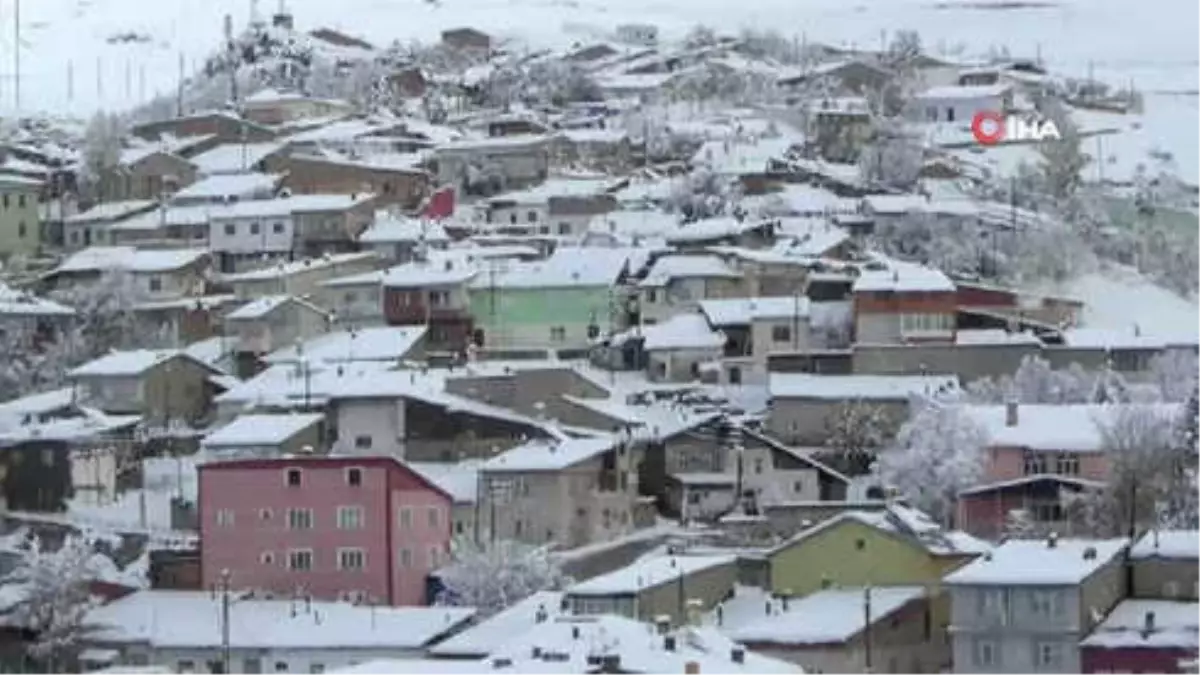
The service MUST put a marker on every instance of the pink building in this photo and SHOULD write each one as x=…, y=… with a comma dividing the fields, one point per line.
x=1036, y=454
x=358, y=528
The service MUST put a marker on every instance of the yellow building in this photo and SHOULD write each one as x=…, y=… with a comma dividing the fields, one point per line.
x=20, y=225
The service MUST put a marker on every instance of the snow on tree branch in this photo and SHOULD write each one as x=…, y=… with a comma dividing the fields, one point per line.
x=491, y=577
x=857, y=430
x=1035, y=382
x=1151, y=475
x=937, y=453
x=54, y=587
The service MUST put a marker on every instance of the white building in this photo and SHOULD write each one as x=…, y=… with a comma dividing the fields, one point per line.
x=184, y=629
x=959, y=104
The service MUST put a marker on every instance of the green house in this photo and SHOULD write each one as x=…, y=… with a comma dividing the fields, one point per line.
x=561, y=302
x=20, y=224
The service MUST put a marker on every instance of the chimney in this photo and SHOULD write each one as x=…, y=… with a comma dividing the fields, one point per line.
x=1089, y=553
x=691, y=668
x=1148, y=627
x=499, y=664
x=536, y=652
x=1011, y=413
x=541, y=615
x=1052, y=540
x=738, y=655
x=669, y=643
x=574, y=632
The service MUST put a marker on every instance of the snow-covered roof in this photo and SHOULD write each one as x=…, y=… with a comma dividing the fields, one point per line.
x=229, y=185
x=742, y=311
x=549, y=455
x=282, y=206
x=37, y=404
x=460, y=480
x=104, y=258
x=234, y=157
x=23, y=303
x=90, y=424
x=994, y=336
x=1035, y=562
x=631, y=223
x=377, y=343
x=670, y=267
x=110, y=211
x=567, y=267
x=649, y=573
x=127, y=363
x=1072, y=427
x=261, y=307
x=168, y=619
x=283, y=270
x=908, y=523
x=1101, y=338
x=1174, y=544
x=903, y=277
x=707, y=478
x=495, y=632
x=498, y=143
x=553, y=187
x=403, y=229
x=739, y=157
x=950, y=92
x=713, y=228
x=421, y=274
x=682, y=331
x=261, y=430
x=850, y=387
x=826, y=617
x=1175, y=626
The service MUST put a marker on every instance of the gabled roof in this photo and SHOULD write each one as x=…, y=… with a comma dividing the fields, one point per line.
x=1039, y=562
x=549, y=454
x=132, y=363
x=649, y=573
x=261, y=429
x=262, y=307
x=907, y=524
x=827, y=617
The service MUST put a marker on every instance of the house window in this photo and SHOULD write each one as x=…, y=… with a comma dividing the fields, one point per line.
x=21, y=201
x=254, y=228
x=564, y=228
x=1035, y=463
x=155, y=284
x=1049, y=655
x=350, y=297
x=693, y=497
x=531, y=216
x=459, y=527
x=6, y=202
x=300, y=560
x=435, y=557
x=758, y=465
x=435, y=518
x=1066, y=464
x=316, y=668
x=225, y=517
x=293, y=477
x=949, y=114
x=277, y=228
x=350, y=517
x=281, y=666
x=230, y=229
x=362, y=442
x=266, y=558
x=405, y=557
x=354, y=477
x=798, y=487
x=300, y=519
x=184, y=666
x=405, y=518
x=264, y=514
x=992, y=604
x=651, y=296
x=1042, y=602
x=558, y=334
x=351, y=559
x=781, y=333
x=21, y=229
x=985, y=653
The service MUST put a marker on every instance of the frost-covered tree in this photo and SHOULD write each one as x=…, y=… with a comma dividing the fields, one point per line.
x=1035, y=382
x=35, y=363
x=105, y=317
x=937, y=453
x=102, y=143
x=1151, y=475
x=1062, y=160
x=496, y=575
x=891, y=158
x=1020, y=524
x=54, y=588
x=856, y=431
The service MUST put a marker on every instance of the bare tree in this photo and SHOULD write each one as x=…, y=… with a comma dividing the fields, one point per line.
x=1151, y=475
x=856, y=431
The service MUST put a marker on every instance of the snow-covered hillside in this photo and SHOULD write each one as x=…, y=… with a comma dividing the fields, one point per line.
x=1152, y=42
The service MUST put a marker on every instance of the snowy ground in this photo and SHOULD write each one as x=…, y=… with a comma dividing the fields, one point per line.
x=1119, y=298
x=1153, y=43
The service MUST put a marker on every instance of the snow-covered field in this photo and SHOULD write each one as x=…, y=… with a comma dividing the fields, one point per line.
x=1119, y=298
x=1153, y=43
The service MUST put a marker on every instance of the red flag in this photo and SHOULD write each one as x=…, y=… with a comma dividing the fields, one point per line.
x=439, y=205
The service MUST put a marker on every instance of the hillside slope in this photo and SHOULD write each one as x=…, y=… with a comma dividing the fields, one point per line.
x=71, y=63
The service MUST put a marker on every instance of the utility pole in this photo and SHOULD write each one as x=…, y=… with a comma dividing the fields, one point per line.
x=179, y=88
x=867, y=628
x=17, y=54
x=226, y=658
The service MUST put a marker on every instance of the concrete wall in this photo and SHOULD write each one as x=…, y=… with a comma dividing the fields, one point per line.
x=1153, y=578
x=970, y=362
